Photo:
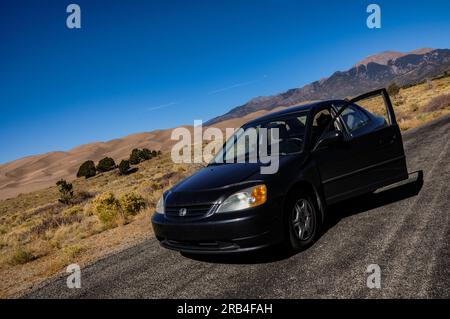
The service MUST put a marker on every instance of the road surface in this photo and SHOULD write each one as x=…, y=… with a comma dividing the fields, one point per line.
x=404, y=230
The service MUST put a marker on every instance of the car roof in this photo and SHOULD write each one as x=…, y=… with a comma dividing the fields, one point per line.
x=294, y=109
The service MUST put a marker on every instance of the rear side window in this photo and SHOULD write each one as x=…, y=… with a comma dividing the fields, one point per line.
x=354, y=118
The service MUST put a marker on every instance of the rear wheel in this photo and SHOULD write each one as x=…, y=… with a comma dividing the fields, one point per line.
x=302, y=222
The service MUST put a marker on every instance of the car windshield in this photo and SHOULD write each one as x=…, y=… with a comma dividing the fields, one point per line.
x=250, y=143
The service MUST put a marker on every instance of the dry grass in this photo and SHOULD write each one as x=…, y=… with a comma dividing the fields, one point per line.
x=39, y=236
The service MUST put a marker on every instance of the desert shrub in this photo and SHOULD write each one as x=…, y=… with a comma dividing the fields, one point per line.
x=21, y=256
x=393, y=89
x=87, y=169
x=65, y=191
x=135, y=156
x=131, y=203
x=124, y=167
x=106, y=164
x=107, y=209
x=437, y=103
x=146, y=154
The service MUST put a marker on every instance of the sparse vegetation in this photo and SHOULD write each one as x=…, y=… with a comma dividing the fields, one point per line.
x=65, y=191
x=39, y=235
x=393, y=89
x=112, y=212
x=135, y=156
x=145, y=154
x=132, y=203
x=107, y=209
x=106, y=164
x=87, y=169
x=124, y=167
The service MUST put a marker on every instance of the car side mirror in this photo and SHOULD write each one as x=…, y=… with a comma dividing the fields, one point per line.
x=330, y=138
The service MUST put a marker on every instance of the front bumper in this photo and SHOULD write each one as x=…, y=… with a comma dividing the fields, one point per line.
x=248, y=230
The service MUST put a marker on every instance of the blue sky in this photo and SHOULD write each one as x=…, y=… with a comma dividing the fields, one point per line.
x=137, y=66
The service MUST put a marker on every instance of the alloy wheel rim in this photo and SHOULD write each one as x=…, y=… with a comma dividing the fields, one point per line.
x=303, y=219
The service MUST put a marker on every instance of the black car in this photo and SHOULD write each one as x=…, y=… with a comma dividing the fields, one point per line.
x=329, y=151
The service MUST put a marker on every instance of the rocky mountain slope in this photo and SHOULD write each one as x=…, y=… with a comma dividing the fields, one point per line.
x=371, y=73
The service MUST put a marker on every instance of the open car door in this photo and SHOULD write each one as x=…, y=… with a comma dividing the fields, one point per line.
x=371, y=155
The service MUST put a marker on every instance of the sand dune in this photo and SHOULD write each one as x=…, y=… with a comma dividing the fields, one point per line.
x=36, y=172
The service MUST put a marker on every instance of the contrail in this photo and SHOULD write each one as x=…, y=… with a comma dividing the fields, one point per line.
x=236, y=86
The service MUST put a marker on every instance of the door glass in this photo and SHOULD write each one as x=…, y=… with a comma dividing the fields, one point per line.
x=375, y=104
x=320, y=123
x=354, y=118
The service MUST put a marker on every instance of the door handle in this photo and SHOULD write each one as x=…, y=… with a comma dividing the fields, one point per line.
x=387, y=140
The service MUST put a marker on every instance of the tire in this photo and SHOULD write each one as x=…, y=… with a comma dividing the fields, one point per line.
x=302, y=222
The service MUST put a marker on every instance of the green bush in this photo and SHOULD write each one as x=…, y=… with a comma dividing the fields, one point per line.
x=131, y=203
x=107, y=209
x=135, y=157
x=87, y=169
x=124, y=167
x=146, y=154
x=393, y=89
x=106, y=164
x=65, y=191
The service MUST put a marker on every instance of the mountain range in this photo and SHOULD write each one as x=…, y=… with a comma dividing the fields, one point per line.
x=373, y=72
x=378, y=70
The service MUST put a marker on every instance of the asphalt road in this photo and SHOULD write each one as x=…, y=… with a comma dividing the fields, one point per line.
x=404, y=230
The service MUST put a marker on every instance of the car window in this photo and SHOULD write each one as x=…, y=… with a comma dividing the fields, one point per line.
x=244, y=143
x=354, y=118
x=320, y=123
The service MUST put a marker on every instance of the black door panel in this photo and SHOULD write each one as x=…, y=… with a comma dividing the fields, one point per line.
x=372, y=155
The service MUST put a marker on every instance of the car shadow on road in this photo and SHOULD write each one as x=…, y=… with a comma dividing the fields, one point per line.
x=393, y=193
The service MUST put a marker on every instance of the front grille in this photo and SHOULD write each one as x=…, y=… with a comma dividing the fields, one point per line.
x=191, y=210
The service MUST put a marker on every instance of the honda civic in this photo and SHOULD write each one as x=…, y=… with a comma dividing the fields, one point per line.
x=328, y=151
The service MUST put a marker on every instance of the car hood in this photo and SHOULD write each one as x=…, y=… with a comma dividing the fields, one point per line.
x=219, y=176
x=213, y=183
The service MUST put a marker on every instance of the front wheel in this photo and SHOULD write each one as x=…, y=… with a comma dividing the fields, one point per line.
x=302, y=222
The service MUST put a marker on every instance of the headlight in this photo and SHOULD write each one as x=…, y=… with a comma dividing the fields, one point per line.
x=160, y=206
x=249, y=197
